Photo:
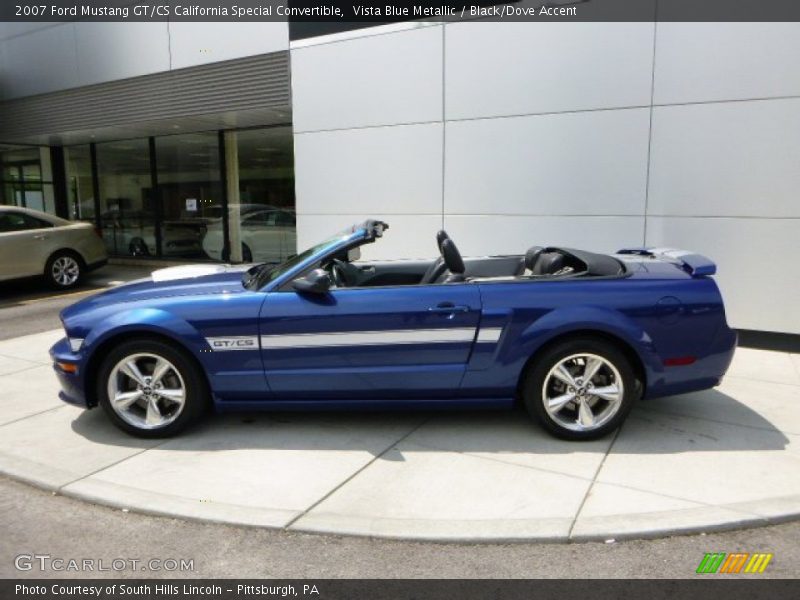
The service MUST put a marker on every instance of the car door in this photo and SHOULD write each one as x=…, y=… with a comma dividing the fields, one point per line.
x=25, y=239
x=369, y=343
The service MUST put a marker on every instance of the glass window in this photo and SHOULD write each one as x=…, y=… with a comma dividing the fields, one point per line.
x=26, y=180
x=127, y=209
x=262, y=216
x=190, y=189
x=14, y=221
x=80, y=192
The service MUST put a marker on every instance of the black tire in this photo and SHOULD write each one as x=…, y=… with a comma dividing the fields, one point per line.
x=533, y=388
x=138, y=247
x=247, y=254
x=194, y=384
x=64, y=270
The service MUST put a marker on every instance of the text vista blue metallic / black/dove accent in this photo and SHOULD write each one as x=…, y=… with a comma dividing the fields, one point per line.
x=577, y=337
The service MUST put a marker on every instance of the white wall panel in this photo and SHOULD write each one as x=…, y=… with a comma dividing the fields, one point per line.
x=729, y=159
x=758, y=270
x=110, y=51
x=592, y=163
x=519, y=68
x=492, y=234
x=383, y=170
x=697, y=62
x=201, y=43
x=385, y=79
x=40, y=61
x=409, y=236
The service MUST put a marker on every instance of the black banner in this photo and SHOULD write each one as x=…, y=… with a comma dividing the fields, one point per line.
x=743, y=588
x=393, y=11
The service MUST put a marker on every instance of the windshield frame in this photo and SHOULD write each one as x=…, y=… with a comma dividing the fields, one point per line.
x=309, y=256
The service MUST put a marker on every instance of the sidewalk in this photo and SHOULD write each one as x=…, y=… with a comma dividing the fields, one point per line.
x=728, y=457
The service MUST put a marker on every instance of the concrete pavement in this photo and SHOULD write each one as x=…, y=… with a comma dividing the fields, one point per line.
x=724, y=458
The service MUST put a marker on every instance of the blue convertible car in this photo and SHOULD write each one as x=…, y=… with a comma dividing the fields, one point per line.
x=577, y=337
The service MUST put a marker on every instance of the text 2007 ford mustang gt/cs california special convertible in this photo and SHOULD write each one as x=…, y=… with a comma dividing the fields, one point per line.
x=577, y=337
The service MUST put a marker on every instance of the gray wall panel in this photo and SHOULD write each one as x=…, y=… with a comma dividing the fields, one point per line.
x=111, y=51
x=379, y=80
x=699, y=62
x=40, y=61
x=391, y=170
x=588, y=163
x=194, y=44
x=726, y=159
x=521, y=68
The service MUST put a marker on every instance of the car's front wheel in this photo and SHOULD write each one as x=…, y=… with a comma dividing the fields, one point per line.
x=580, y=389
x=63, y=270
x=150, y=389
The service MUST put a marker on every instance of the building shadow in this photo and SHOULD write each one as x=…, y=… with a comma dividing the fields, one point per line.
x=654, y=427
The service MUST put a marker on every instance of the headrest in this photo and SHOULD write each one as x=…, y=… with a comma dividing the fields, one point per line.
x=531, y=256
x=452, y=257
x=440, y=237
x=549, y=263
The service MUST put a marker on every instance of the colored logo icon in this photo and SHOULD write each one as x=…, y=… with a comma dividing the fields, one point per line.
x=736, y=562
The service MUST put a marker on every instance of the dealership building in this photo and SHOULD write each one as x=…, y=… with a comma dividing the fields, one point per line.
x=244, y=141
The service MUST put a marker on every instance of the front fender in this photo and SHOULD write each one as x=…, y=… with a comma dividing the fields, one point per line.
x=151, y=320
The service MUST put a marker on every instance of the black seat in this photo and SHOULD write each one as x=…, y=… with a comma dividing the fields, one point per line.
x=453, y=261
x=529, y=262
x=548, y=263
x=437, y=268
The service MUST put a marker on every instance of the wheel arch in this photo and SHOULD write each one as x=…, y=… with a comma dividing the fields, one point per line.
x=619, y=342
x=66, y=250
x=103, y=347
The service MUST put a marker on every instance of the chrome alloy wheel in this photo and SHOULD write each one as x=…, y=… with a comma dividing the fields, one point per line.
x=65, y=270
x=582, y=392
x=146, y=391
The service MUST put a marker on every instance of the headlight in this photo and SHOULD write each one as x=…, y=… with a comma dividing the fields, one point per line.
x=75, y=344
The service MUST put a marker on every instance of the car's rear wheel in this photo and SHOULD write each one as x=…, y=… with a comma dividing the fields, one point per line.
x=150, y=389
x=63, y=270
x=580, y=389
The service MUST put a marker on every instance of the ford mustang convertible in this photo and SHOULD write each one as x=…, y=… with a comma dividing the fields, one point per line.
x=576, y=337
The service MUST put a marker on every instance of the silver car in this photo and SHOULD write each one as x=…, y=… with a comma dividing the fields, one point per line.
x=35, y=243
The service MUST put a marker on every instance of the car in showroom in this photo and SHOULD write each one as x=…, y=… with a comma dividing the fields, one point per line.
x=576, y=337
x=35, y=243
x=134, y=233
x=267, y=235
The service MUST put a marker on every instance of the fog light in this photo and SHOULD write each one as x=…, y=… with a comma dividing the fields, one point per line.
x=75, y=344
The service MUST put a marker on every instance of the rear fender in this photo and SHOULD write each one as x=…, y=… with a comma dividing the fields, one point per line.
x=563, y=321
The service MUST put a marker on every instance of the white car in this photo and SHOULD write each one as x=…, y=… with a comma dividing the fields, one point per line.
x=268, y=235
x=35, y=243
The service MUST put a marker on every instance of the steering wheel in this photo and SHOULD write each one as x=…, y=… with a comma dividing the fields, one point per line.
x=344, y=273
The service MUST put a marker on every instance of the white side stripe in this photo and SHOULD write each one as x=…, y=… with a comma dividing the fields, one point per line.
x=490, y=335
x=369, y=338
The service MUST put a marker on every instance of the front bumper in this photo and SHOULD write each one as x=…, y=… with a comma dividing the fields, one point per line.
x=72, y=384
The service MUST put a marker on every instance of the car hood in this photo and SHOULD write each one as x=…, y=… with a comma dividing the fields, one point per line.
x=188, y=280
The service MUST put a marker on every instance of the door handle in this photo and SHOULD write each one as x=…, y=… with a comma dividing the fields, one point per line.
x=40, y=237
x=448, y=308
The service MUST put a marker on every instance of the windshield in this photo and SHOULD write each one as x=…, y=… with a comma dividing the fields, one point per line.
x=260, y=275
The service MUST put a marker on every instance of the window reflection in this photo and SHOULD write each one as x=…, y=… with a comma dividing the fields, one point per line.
x=190, y=189
x=127, y=208
x=263, y=217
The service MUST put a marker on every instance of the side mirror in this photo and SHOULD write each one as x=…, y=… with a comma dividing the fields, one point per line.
x=317, y=281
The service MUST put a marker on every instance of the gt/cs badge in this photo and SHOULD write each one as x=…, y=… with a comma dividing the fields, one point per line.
x=223, y=344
